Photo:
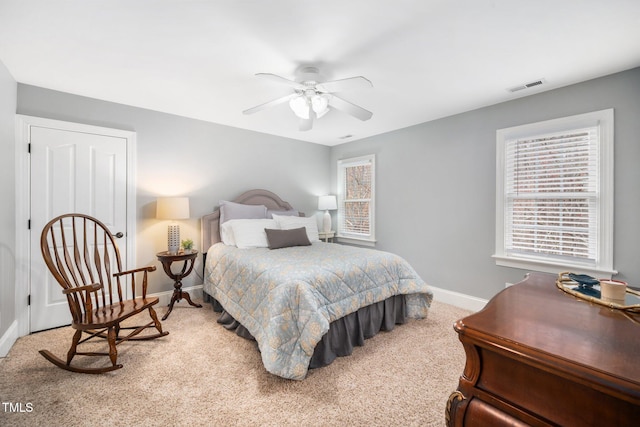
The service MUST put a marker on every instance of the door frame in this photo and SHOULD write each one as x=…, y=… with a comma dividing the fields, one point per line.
x=23, y=203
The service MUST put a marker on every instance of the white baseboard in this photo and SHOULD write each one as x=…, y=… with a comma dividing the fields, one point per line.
x=8, y=339
x=457, y=299
x=165, y=297
x=467, y=302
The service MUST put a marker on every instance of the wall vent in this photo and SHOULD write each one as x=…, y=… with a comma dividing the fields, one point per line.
x=527, y=85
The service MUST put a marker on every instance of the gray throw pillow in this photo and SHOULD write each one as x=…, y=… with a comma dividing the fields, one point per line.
x=287, y=238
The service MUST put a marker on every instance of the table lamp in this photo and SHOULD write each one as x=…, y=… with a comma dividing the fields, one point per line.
x=326, y=204
x=173, y=208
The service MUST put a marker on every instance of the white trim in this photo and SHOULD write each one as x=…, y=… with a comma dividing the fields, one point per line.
x=550, y=267
x=354, y=241
x=604, y=264
x=457, y=299
x=23, y=256
x=23, y=208
x=132, y=188
x=370, y=240
x=8, y=339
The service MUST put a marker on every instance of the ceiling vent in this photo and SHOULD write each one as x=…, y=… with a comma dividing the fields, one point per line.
x=527, y=85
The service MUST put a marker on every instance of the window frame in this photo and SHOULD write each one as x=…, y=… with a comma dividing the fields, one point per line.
x=603, y=264
x=355, y=238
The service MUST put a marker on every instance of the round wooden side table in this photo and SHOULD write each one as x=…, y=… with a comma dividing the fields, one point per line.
x=168, y=258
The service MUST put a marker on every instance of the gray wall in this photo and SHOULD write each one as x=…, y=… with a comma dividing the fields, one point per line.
x=435, y=181
x=8, y=89
x=205, y=161
x=435, y=184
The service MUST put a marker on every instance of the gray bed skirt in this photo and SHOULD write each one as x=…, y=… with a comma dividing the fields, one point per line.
x=344, y=334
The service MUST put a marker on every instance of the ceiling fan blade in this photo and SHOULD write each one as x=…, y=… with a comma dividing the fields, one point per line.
x=349, y=108
x=269, y=104
x=344, y=84
x=307, y=124
x=281, y=80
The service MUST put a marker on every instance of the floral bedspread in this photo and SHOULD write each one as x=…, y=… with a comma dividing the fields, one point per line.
x=286, y=298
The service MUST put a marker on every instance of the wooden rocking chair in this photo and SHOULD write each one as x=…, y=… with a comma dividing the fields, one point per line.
x=83, y=257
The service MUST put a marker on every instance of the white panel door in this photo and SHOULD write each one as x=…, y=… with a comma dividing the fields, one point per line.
x=72, y=172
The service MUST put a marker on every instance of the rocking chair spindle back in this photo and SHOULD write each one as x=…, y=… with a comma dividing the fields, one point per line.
x=83, y=257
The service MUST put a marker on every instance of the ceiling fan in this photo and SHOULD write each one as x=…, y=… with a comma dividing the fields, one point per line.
x=313, y=99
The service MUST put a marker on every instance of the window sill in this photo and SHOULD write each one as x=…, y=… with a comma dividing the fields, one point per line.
x=551, y=267
x=356, y=241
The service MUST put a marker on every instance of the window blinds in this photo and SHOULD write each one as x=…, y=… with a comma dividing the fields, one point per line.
x=552, y=195
x=356, y=200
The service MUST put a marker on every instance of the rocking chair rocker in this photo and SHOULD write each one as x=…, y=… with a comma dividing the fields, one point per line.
x=83, y=257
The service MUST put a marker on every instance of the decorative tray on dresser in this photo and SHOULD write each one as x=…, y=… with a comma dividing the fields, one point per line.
x=542, y=357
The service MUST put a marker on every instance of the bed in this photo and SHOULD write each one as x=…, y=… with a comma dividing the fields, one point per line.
x=304, y=303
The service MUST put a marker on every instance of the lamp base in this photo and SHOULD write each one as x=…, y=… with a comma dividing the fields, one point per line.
x=326, y=222
x=173, y=238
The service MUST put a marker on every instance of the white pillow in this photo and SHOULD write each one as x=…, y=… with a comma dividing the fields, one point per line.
x=226, y=233
x=249, y=233
x=291, y=222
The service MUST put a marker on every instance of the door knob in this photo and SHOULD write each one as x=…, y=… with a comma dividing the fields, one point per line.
x=118, y=235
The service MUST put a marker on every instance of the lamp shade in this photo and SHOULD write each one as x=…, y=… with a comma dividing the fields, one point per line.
x=172, y=208
x=327, y=203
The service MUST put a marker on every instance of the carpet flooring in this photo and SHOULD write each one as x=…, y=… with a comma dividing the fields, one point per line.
x=202, y=375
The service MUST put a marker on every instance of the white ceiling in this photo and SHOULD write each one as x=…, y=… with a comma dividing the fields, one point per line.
x=426, y=58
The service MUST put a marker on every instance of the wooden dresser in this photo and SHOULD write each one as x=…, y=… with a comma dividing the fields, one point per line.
x=538, y=356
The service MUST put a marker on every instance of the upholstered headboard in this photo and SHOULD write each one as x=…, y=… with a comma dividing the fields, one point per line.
x=211, y=222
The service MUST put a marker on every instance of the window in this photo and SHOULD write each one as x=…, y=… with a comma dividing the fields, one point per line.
x=356, y=179
x=554, y=195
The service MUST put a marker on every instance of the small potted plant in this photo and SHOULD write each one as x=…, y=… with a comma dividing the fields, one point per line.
x=187, y=245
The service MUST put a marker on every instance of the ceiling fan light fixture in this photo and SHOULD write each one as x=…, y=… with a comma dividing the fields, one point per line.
x=300, y=106
x=313, y=99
